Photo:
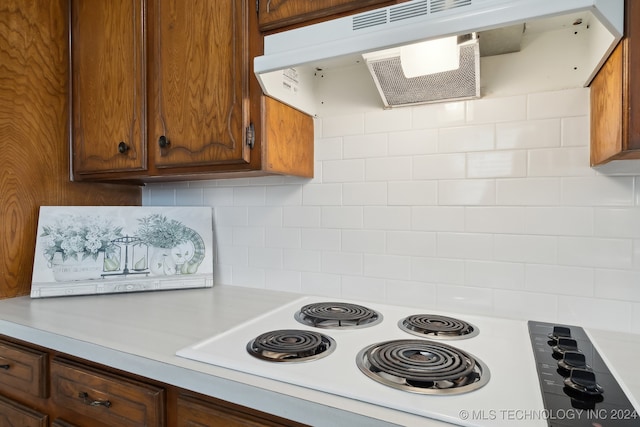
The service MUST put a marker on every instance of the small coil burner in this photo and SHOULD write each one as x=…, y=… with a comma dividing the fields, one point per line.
x=291, y=345
x=437, y=327
x=422, y=366
x=337, y=315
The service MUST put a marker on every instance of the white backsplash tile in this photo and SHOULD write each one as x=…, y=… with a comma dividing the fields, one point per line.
x=412, y=193
x=528, y=191
x=388, y=169
x=571, y=161
x=441, y=166
x=364, y=193
x=320, y=239
x=363, y=146
x=364, y=241
x=343, y=170
x=465, y=245
x=497, y=110
x=467, y=138
x=525, y=248
x=413, y=142
x=438, y=218
x=467, y=192
x=301, y=216
x=486, y=206
x=412, y=243
x=528, y=134
x=497, y=164
x=301, y=259
x=439, y=115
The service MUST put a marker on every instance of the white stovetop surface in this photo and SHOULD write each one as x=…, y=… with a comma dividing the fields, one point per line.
x=503, y=345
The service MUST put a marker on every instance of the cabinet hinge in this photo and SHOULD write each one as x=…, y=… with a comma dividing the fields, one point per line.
x=251, y=135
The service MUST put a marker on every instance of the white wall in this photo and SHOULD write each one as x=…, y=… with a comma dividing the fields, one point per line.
x=485, y=206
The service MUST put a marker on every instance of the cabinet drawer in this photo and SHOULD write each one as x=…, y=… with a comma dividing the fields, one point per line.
x=22, y=369
x=194, y=411
x=13, y=414
x=110, y=398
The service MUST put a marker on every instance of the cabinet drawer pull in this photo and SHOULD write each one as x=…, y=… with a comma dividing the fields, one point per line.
x=5, y=367
x=85, y=398
x=123, y=147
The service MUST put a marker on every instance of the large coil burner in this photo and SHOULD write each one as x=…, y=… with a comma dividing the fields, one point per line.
x=422, y=366
x=337, y=315
x=291, y=345
x=434, y=326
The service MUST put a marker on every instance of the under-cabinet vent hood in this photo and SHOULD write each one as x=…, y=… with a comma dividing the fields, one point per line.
x=516, y=46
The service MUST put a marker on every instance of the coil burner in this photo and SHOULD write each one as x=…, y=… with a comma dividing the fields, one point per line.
x=422, y=366
x=291, y=345
x=337, y=315
x=437, y=327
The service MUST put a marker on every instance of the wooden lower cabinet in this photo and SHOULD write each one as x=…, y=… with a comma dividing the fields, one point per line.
x=40, y=387
x=13, y=414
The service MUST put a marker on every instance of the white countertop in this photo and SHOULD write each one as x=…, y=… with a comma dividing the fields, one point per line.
x=140, y=333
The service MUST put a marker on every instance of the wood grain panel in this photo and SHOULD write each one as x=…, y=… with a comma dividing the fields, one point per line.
x=108, y=85
x=293, y=154
x=198, y=71
x=280, y=13
x=606, y=109
x=13, y=414
x=615, y=98
x=34, y=152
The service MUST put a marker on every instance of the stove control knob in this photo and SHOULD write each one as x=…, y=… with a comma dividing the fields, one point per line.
x=563, y=345
x=570, y=360
x=583, y=382
x=559, y=332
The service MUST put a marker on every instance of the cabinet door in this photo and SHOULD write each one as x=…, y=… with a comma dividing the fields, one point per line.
x=279, y=13
x=107, y=89
x=198, y=83
x=615, y=98
x=12, y=414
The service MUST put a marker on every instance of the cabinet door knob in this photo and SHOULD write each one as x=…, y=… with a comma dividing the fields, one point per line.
x=123, y=147
x=85, y=398
x=163, y=142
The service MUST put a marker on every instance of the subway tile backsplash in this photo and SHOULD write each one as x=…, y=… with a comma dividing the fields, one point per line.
x=485, y=206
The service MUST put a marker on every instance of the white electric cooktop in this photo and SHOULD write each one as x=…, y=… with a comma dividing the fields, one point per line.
x=503, y=346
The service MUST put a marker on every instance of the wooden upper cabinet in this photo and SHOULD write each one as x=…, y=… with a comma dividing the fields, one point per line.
x=108, y=85
x=615, y=102
x=280, y=13
x=198, y=71
x=164, y=90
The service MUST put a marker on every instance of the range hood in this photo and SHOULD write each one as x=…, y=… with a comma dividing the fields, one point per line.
x=517, y=45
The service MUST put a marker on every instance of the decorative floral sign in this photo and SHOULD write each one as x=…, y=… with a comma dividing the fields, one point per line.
x=106, y=249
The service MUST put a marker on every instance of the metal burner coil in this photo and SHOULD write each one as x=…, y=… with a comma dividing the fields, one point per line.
x=434, y=326
x=421, y=366
x=291, y=345
x=337, y=315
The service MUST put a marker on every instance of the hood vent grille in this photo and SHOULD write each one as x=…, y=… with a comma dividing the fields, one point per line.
x=396, y=90
x=404, y=11
x=409, y=10
x=442, y=5
x=368, y=20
